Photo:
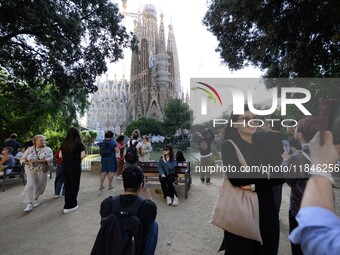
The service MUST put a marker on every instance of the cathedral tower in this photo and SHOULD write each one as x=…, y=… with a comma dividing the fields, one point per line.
x=154, y=73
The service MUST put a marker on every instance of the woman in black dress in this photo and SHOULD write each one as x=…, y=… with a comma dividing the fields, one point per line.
x=72, y=151
x=256, y=151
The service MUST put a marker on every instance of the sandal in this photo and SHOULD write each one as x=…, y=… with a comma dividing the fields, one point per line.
x=101, y=188
x=110, y=187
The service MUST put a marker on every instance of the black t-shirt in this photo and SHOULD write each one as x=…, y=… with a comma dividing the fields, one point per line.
x=204, y=145
x=275, y=142
x=73, y=161
x=255, y=154
x=147, y=212
x=13, y=144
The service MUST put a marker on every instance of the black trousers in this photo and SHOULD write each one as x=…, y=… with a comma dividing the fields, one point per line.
x=167, y=184
x=296, y=248
x=71, y=182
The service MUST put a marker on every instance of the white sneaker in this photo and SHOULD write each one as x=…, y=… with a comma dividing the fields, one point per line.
x=36, y=203
x=71, y=210
x=176, y=201
x=120, y=177
x=28, y=208
x=168, y=200
x=56, y=196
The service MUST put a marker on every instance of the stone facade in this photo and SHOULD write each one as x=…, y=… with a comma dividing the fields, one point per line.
x=154, y=79
x=108, y=106
x=155, y=76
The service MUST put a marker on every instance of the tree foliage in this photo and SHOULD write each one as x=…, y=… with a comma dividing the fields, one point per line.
x=146, y=126
x=177, y=115
x=286, y=38
x=50, y=54
x=88, y=137
x=64, y=43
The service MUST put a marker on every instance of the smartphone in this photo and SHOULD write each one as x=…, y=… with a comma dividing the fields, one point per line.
x=330, y=119
x=286, y=146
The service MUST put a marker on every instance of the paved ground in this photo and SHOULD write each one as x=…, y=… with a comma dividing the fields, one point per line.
x=183, y=230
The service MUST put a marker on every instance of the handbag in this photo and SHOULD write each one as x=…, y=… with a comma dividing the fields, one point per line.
x=237, y=210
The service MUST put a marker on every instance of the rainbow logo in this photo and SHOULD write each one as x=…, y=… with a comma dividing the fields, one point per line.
x=210, y=92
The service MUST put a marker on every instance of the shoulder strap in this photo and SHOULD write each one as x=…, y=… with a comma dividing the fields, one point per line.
x=131, y=210
x=239, y=153
x=306, y=155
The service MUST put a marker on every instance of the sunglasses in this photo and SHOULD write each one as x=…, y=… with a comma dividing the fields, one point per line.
x=166, y=149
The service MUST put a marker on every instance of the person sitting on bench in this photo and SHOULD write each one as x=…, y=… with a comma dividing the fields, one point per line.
x=7, y=162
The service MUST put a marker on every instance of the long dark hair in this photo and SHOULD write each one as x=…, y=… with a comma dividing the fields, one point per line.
x=169, y=147
x=179, y=156
x=71, y=144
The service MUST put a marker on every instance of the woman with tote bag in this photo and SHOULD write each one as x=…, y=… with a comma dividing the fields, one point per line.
x=242, y=146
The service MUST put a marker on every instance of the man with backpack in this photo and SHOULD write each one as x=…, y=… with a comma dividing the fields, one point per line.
x=133, y=149
x=107, y=151
x=128, y=223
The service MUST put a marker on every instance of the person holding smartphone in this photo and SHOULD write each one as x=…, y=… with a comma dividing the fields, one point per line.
x=298, y=177
x=318, y=229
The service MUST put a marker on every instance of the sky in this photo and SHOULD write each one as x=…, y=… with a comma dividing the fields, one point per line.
x=195, y=45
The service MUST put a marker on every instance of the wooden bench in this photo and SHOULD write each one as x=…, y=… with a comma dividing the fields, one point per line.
x=17, y=171
x=182, y=170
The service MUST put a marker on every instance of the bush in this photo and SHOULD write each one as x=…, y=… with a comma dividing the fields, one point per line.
x=183, y=145
x=157, y=146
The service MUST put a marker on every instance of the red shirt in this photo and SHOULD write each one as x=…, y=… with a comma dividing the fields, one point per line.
x=56, y=156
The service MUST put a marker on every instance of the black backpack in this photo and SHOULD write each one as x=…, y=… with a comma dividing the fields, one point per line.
x=121, y=233
x=131, y=153
x=105, y=150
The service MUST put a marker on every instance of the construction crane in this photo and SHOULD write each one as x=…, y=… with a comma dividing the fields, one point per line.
x=130, y=14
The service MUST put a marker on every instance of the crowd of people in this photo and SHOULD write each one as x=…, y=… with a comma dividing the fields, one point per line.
x=313, y=226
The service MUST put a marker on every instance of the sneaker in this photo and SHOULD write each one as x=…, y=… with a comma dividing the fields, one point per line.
x=36, y=203
x=176, y=201
x=168, y=200
x=119, y=177
x=208, y=183
x=202, y=180
x=28, y=208
x=71, y=209
x=56, y=196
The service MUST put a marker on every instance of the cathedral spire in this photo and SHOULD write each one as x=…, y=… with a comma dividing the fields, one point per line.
x=174, y=69
x=161, y=46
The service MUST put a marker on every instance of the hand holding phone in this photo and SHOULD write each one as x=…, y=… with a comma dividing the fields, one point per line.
x=286, y=146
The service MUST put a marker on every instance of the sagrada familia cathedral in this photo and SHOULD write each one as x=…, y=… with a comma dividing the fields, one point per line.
x=154, y=78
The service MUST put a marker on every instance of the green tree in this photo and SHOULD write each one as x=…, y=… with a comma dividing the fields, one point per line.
x=50, y=54
x=177, y=115
x=145, y=126
x=88, y=137
x=64, y=43
x=286, y=38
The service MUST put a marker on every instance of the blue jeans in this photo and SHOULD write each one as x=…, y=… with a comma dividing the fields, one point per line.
x=151, y=239
x=59, y=181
